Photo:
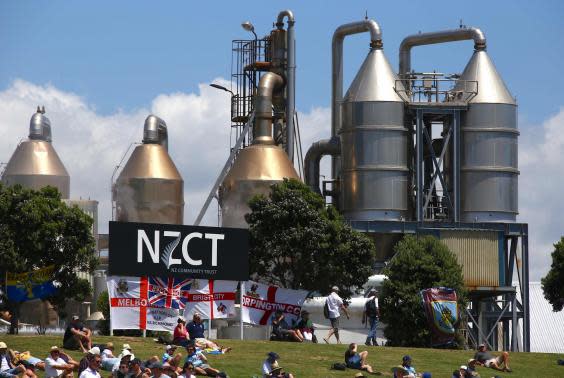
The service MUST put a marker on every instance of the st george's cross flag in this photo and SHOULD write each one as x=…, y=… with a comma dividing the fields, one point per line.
x=260, y=302
x=212, y=299
x=146, y=302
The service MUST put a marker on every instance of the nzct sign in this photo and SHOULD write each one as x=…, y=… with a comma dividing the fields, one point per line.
x=146, y=249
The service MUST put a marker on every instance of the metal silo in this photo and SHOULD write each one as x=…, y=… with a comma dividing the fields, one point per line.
x=374, y=142
x=150, y=188
x=489, y=169
x=35, y=163
x=257, y=166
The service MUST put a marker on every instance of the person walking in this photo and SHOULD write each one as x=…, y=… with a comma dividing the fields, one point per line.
x=334, y=304
x=371, y=315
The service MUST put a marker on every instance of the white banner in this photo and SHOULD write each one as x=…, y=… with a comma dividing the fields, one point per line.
x=261, y=301
x=212, y=299
x=130, y=307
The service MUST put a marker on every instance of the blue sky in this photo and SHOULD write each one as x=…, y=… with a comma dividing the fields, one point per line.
x=121, y=54
x=100, y=67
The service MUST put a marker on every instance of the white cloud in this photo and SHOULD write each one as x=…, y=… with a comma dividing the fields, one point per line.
x=91, y=145
x=541, y=157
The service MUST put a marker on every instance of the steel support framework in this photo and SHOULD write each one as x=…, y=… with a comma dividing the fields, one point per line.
x=490, y=306
x=450, y=116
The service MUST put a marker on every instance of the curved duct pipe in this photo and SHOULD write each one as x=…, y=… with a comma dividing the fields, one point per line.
x=155, y=131
x=461, y=34
x=337, y=62
x=262, y=131
x=313, y=158
x=40, y=126
x=290, y=78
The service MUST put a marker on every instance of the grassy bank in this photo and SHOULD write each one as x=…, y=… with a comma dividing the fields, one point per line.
x=313, y=360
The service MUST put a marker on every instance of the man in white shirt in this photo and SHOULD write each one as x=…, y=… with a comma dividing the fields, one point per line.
x=55, y=366
x=334, y=305
x=93, y=366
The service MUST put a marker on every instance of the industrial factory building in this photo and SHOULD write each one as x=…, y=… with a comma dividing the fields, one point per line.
x=422, y=153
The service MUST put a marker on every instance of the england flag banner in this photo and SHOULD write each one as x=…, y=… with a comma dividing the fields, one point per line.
x=260, y=302
x=212, y=299
x=146, y=302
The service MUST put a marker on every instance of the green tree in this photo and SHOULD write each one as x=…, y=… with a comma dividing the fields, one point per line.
x=418, y=263
x=38, y=230
x=553, y=282
x=297, y=242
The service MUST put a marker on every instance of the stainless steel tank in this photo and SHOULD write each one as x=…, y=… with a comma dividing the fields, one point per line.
x=489, y=169
x=257, y=166
x=374, y=141
x=149, y=188
x=35, y=163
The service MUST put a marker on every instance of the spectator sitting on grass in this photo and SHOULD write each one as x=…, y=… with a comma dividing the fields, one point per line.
x=85, y=361
x=93, y=366
x=196, y=331
x=77, y=336
x=56, y=367
x=135, y=370
x=188, y=371
x=25, y=358
x=405, y=369
x=180, y=334
x=7, y=368
x=126, y=347
x=281, y=329
x=157, y=370
x=305, y=326
x=355, y=360
x=197, y=358
x=485, y=358
x=108, y=358
x=172, y=361
x=271, y=369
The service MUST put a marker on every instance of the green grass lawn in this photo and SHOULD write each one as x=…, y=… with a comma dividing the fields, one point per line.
x=313, y=360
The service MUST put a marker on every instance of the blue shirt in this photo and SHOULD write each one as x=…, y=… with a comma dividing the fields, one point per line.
x=196, y=330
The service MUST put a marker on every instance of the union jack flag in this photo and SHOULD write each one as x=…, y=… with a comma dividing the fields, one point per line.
x=168, y=292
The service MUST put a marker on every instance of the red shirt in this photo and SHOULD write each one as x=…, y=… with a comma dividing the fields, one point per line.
x=180, y=332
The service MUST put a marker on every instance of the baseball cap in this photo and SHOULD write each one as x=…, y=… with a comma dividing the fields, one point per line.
x=95, y=351
x=54, y=348
x=75, y=317
x=169, y=347
x=406, y=358
x=3, y=345
x=481, y=345
x=471, y=361
x=463, y=367
x=126, y=346
x=273, y=355
x=181, y=319
x=335, y=288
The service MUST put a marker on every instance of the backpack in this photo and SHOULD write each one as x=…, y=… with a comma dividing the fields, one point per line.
x=339, y=366
x=370, y=308
x=326, y=310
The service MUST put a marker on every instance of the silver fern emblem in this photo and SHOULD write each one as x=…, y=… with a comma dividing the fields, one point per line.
x=166, y=257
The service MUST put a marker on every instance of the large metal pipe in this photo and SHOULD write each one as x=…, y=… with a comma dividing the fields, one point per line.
x=337, y=62
x=313, y=158
x=341, y=32
x=155, y=131
x=262, y=131
x=290, y=79
x=419, y=39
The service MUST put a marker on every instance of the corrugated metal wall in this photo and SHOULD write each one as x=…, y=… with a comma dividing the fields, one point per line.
x=478, y=253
